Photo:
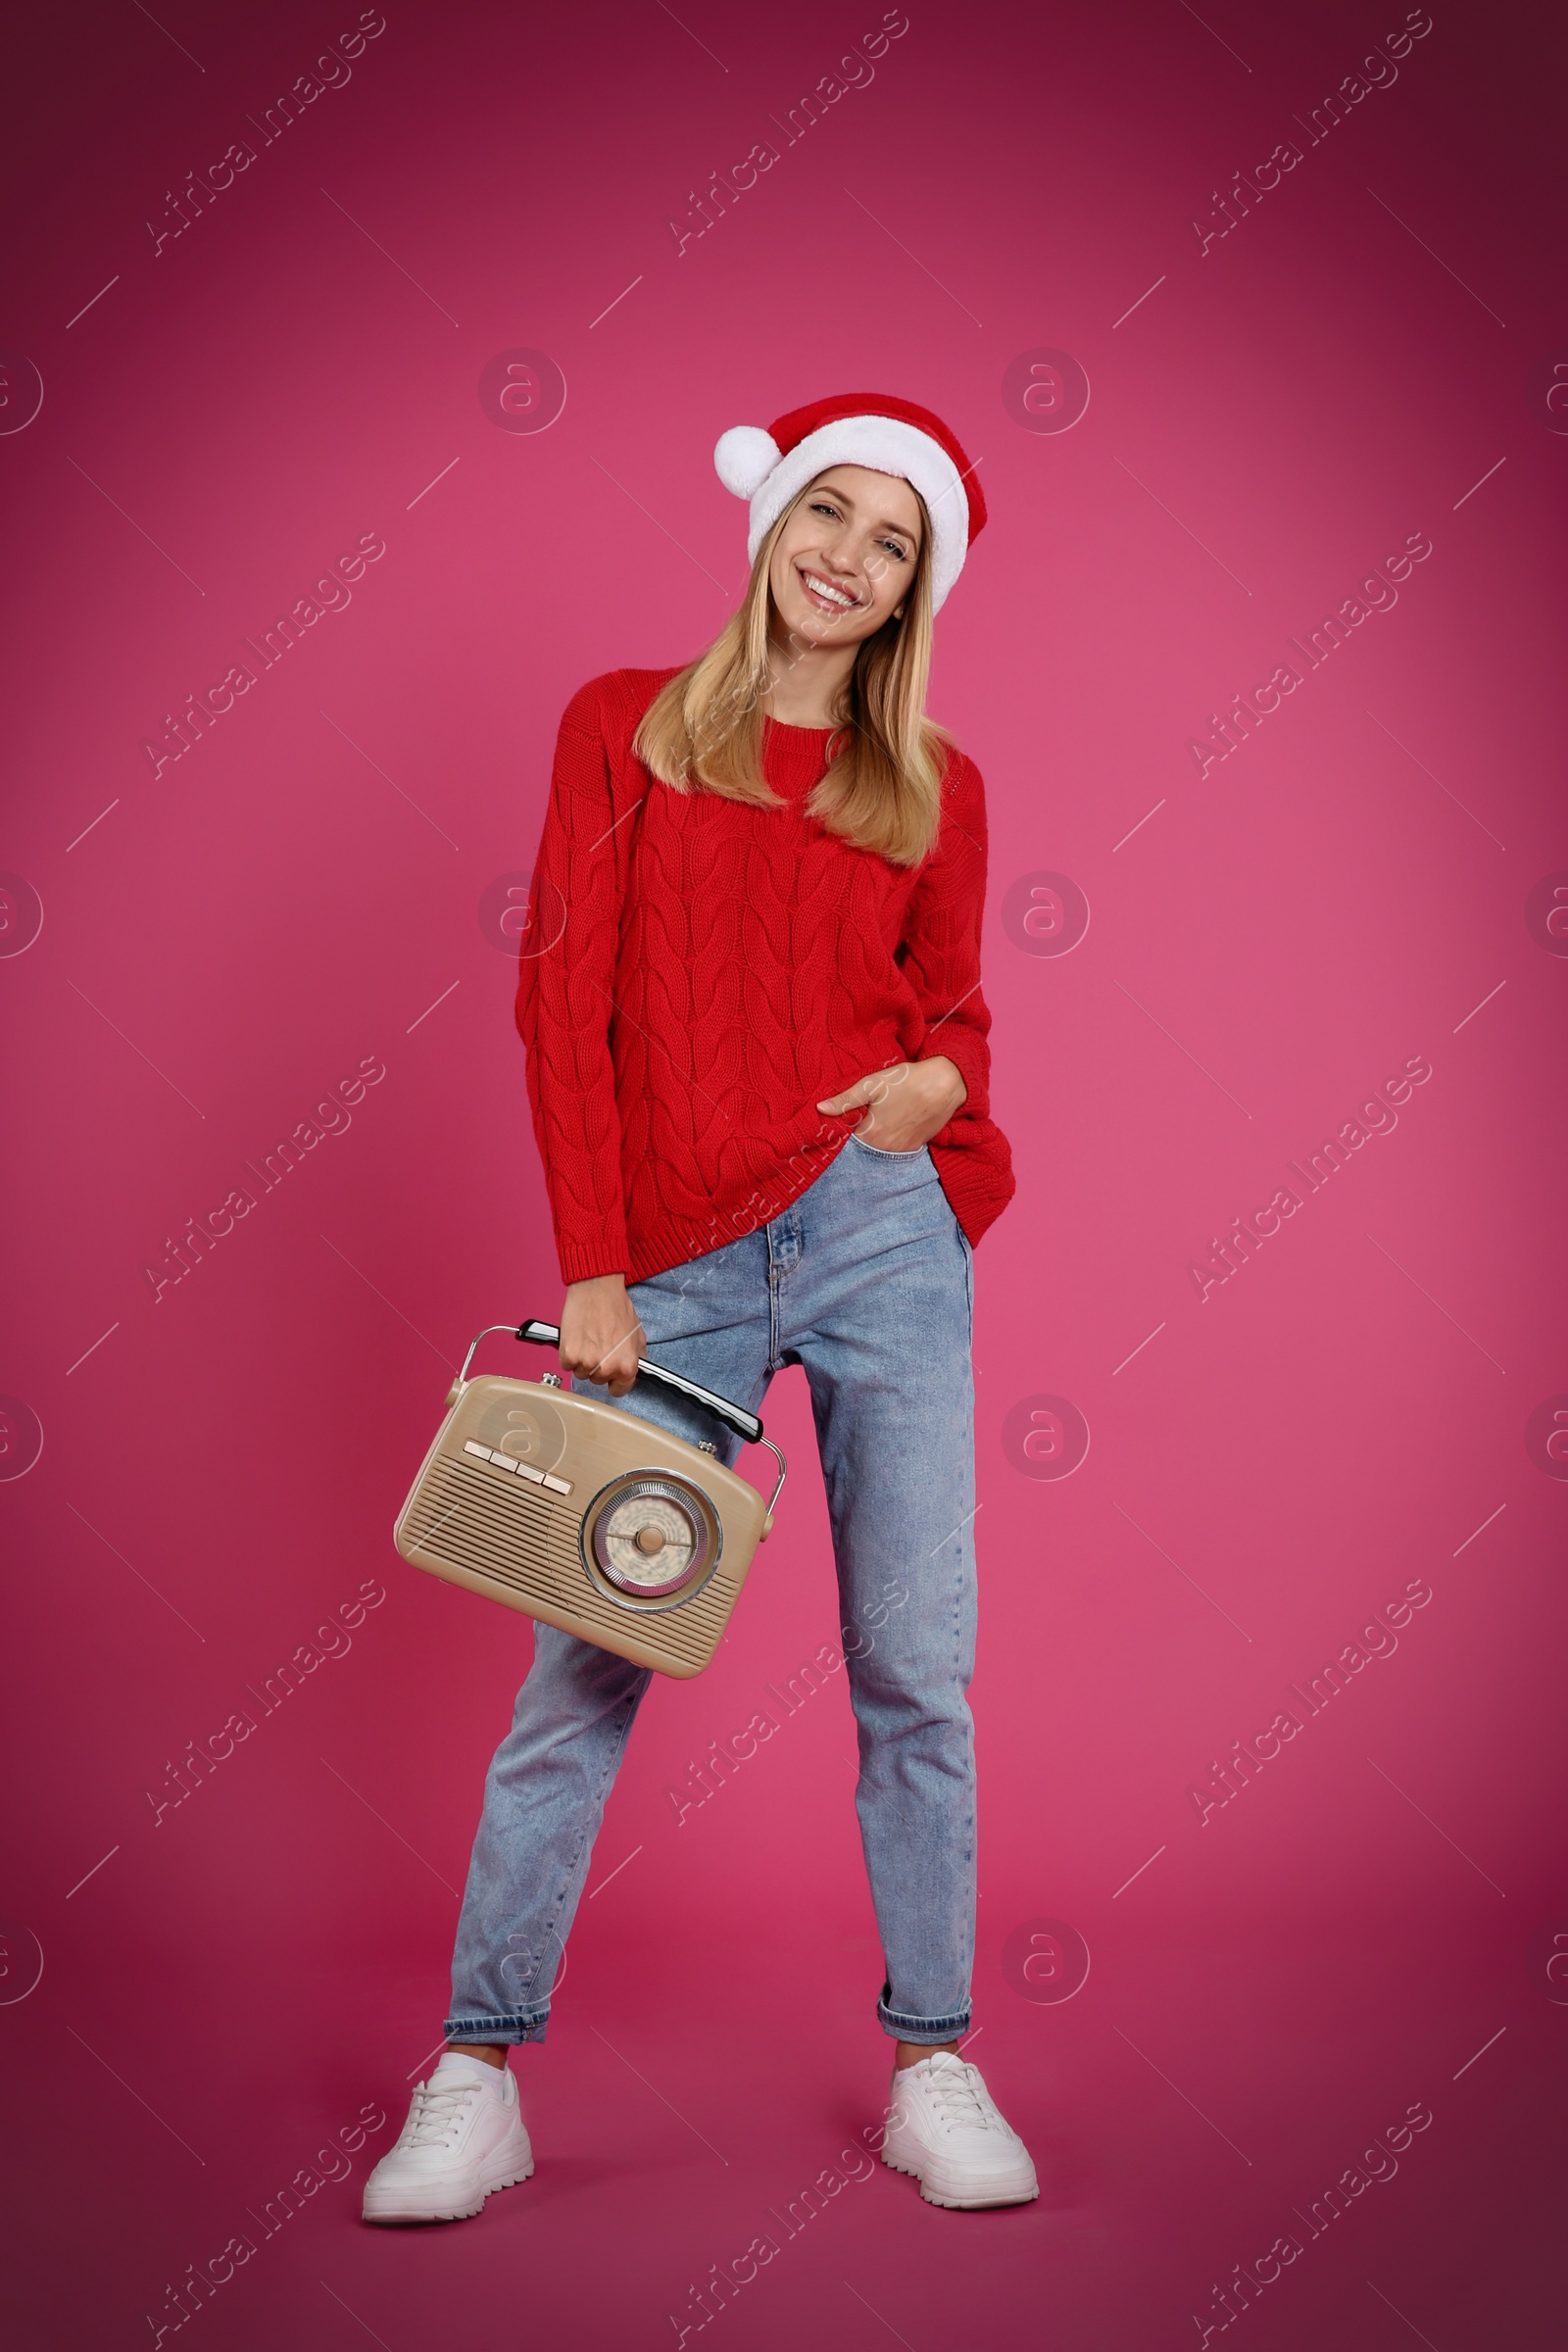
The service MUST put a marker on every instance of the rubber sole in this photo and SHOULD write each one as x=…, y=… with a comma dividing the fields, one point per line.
x=409, y=2208
x=973, y=2204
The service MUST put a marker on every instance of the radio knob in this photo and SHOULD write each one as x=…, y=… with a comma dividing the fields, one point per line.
x=648, y=1539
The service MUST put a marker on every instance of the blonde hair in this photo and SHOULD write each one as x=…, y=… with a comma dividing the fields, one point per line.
x=882, y=790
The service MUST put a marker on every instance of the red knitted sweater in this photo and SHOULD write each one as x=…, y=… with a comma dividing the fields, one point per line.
x=697, y=973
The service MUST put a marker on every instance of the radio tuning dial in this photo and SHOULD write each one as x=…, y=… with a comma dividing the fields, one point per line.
x=650, y=1537
x=646, y=1542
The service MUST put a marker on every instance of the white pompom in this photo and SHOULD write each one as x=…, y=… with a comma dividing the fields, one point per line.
x=744, y=458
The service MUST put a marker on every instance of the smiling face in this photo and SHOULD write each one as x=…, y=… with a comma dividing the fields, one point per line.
x=844, y=559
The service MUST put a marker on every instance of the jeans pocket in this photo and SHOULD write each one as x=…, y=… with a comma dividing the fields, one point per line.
x=881, y=1155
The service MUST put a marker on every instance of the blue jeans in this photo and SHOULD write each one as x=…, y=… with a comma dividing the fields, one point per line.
x=868, y=1282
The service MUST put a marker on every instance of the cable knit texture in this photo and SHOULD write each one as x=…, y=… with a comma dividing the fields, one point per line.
x=696, y=974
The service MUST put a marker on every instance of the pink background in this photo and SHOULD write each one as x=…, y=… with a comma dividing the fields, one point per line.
x=224, y=1990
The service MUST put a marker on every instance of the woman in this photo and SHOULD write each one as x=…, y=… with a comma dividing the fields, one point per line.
x=757, y=1069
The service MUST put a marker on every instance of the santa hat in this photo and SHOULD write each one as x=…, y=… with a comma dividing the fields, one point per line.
x=858, y=429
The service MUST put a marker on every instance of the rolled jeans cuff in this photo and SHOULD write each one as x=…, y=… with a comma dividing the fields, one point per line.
x=497, y=2029
x=935, y=2029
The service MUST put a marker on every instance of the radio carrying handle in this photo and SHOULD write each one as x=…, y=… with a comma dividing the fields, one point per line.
x=745, y=1425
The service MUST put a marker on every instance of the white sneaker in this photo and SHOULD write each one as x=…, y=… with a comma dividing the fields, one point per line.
x=464, y=2136
x=944, y=2130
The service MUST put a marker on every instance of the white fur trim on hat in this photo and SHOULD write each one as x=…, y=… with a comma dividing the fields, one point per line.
x=884, y=444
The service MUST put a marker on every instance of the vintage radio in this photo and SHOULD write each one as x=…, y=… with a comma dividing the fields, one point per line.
x=585, y=1515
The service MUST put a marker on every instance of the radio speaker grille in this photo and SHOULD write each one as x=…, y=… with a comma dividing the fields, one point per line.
x=524, y=1540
